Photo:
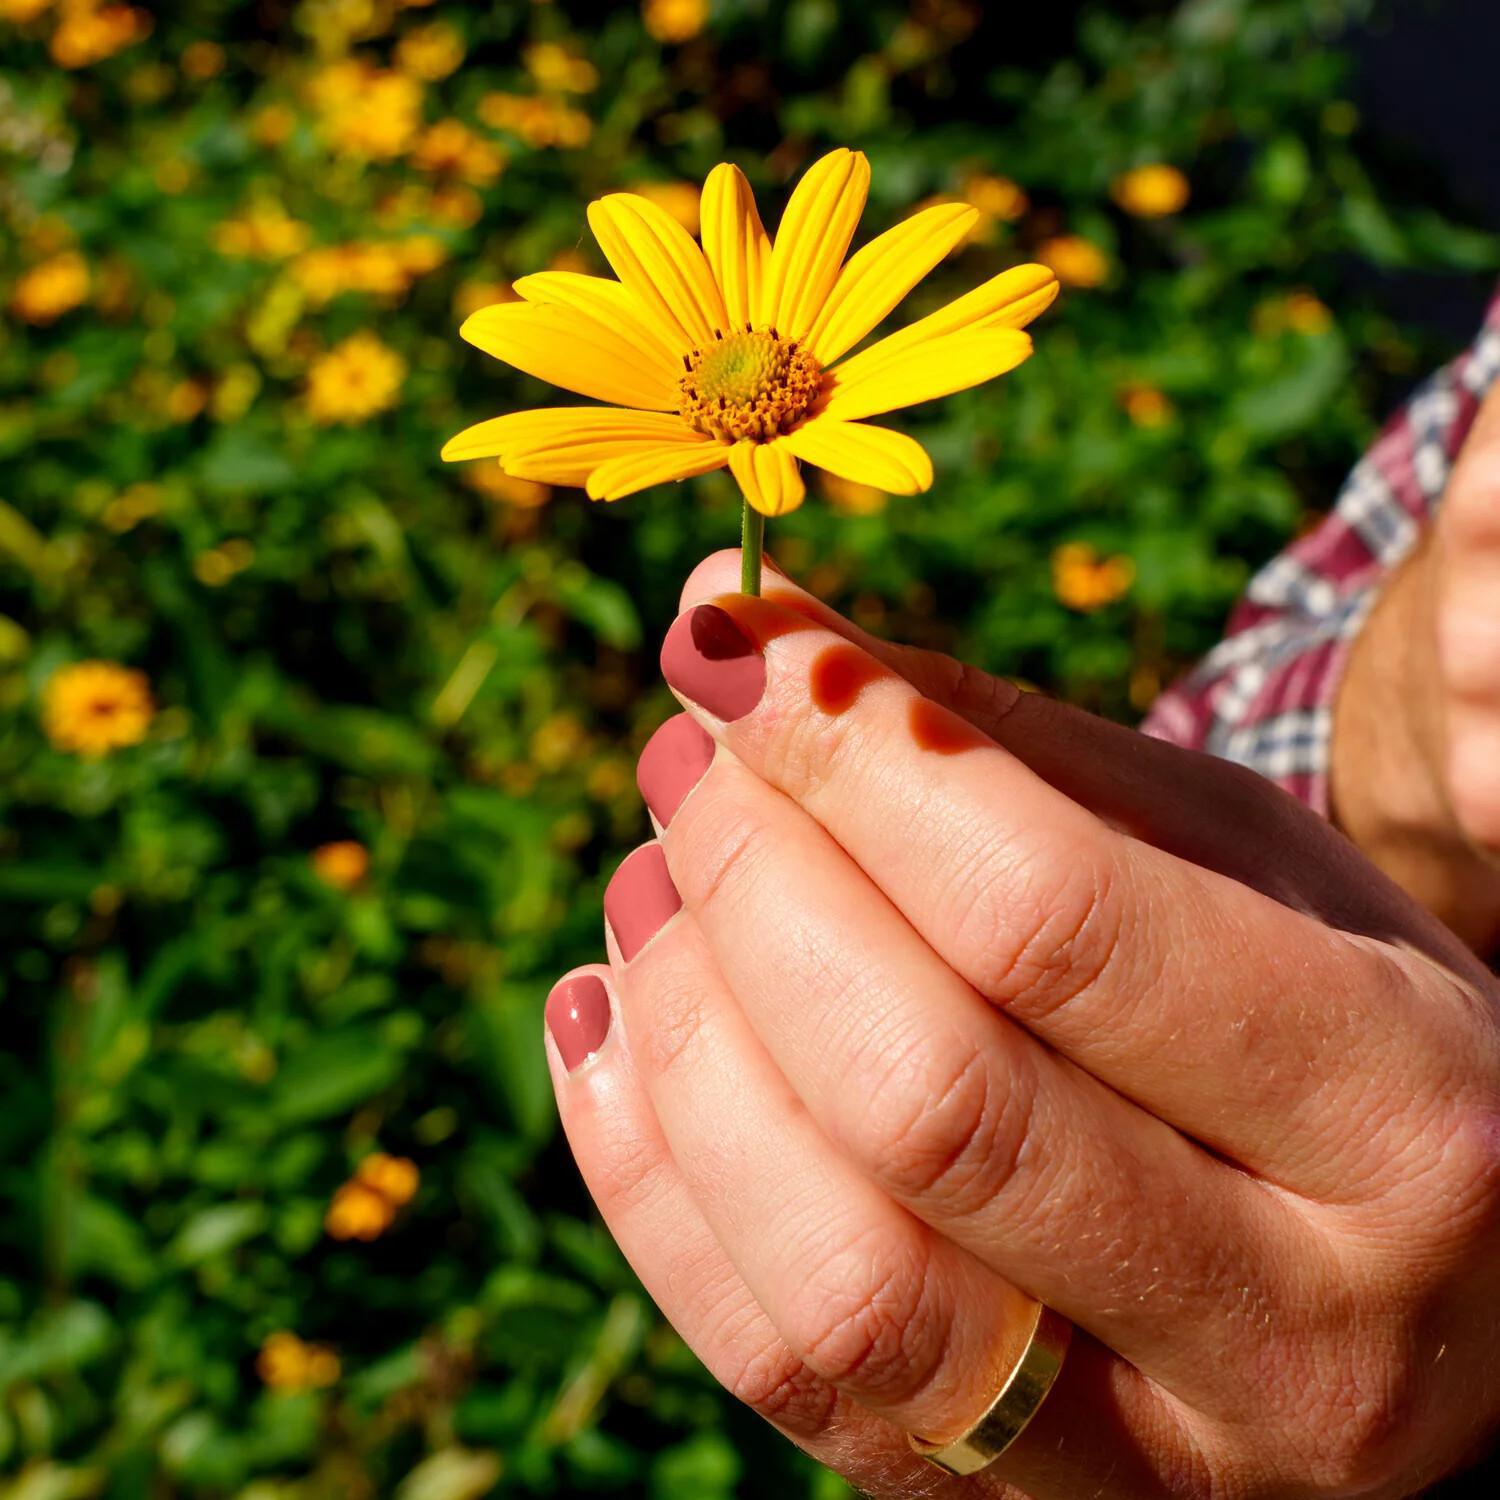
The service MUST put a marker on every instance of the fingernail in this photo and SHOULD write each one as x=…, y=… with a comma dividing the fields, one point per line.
x=708, y=658
x=672, y=764
x=639, y=899
x=578, y=1018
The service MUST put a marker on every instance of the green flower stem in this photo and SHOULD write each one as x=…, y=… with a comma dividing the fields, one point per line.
x=752, y=540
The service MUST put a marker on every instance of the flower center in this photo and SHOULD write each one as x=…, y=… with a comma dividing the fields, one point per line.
x=753, y=384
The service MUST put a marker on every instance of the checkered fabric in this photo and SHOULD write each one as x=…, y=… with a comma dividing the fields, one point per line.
x=1264, y=695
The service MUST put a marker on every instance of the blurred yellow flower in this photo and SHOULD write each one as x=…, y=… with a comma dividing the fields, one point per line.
x=680, y=199
x=995, y=197
x=364, y=111
x=354, y=380
x=1306, y=313
x=89, y=31
x=21, y=11
x=732, y=354
x=492, y=481
x=48, y=290
x=674, y=20
x=557, y=742
x=395, y=1178
x=1074, y=260
x=538, y=122
x=450, y=148
x=456, y=205
x=361, y=266
x=472, y=295
x=343, y=864
x=430, y=52
x=1084, y=581
x=218, y=565
x=853, y=498
x=271, y=124
x=93, y=707
x=286, y=1363
x=1300, y=312
x=365, y=1206
x=1146, y=406
x=556, y=68
x=263, y=231
x=202, y=60
x=1152, y=191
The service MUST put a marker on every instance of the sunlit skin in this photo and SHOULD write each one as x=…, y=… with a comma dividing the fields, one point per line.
x=960, y=990
x=1416, y=746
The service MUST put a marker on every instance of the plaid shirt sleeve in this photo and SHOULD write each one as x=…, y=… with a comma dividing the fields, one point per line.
x=1264, y=695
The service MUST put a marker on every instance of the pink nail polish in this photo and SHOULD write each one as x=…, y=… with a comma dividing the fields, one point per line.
x=707, y=657
x=578, y=1018
x=639, y=899
x=672, y=764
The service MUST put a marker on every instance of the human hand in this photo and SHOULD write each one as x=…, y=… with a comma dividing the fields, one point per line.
x=954, y=1003
x=1416, y=738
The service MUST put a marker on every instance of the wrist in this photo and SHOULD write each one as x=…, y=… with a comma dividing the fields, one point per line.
x=1387, y=787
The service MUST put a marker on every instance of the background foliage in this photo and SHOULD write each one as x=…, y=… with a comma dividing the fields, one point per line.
x=211, y=1017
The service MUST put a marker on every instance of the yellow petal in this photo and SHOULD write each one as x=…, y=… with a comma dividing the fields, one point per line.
x=661, y=263
x=735, y=242
x=611, y=303
x=571, y=349
x=880, y=275
x=935, y=368
x=769, y=476
x=811, y=239
x=593, y=433
x=890, y=461
x=636, y=471
x=1010, y=300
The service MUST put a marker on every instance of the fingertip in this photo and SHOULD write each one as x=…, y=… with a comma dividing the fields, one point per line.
x=718, y=573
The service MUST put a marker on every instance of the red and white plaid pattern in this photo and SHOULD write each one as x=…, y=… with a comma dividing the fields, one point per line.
x=1264, y=695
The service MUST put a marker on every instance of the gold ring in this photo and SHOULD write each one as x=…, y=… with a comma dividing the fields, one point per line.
x=1016, y=1403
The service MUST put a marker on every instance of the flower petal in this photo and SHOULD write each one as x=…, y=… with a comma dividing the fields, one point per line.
x=579, y=435
x=811, y=239
x=611, y=303
x=661, y=263
x=935, y=368
x=890, y=461
x=769, y=476
x=569, y=348
x=735, y=242
x=636, y=471
x=1010, y=300
x=877, y=277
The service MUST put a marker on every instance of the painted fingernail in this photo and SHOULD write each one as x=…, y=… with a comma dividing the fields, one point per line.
x=708, y=658
x=639, y=899
x=672, y=764
x=578, y=1018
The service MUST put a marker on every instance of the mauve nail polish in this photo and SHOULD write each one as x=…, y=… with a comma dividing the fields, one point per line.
x=708, y=658
x=639, y=899
x=578, y=1018
x=672, y=764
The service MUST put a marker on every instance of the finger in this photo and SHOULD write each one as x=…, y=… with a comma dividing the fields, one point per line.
x=1208, y=811
x=1195, y=996
x=1103, y=1422
x=1047, y=1176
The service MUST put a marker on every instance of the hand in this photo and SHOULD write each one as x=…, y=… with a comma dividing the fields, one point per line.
x=961, y=1000
x=1416, y=740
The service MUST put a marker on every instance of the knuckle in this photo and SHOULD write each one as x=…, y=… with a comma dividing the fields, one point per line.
x=726, y=850
x=778, y=1386
x=864, y=1321
x=940, y=1125
x=1043, y=926
x=673, y=1019
x=637, y=1173
x=1363, y=1433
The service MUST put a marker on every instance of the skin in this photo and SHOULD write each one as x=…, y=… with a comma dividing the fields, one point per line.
x=1416, y=745
x=1062, y=1010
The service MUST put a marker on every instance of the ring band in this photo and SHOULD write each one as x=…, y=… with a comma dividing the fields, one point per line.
x=1014, y=1406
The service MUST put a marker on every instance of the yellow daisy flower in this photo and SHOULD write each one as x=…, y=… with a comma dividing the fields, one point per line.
x=733, y=353
x=92, y=707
